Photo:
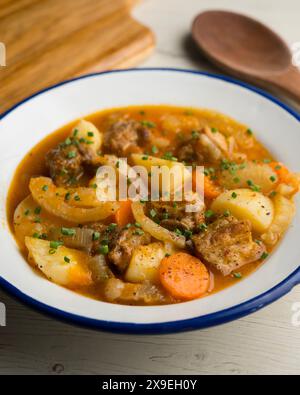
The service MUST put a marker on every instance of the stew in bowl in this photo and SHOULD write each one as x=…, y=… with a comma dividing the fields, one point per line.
x=150, y=251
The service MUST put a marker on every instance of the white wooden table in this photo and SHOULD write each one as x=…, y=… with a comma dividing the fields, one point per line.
x=263, y=343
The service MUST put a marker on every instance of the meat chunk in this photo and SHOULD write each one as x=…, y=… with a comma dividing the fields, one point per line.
x=102, y=234
x=121, y=242
x=123, y=245
x=188, y=153
x=228, y=245
x=65, y=164
x=174, y=215
x=125, y=137
x=203, y=147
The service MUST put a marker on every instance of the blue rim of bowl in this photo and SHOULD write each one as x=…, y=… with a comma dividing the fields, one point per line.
x=206, y=321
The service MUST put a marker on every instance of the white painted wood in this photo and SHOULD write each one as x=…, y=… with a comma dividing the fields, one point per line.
x=265, y=342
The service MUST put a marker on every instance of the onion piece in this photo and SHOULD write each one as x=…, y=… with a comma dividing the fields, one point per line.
x=116, y=290
x=82, y=239
x=155, y=230
x=284, y=213
x=99, y=268
x=44, y=192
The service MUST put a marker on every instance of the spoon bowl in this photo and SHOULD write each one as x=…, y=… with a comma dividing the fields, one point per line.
x=247, y=49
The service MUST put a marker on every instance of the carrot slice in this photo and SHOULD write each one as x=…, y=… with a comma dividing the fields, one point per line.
x=124, y=215
x=211, y=190
x=184, y=276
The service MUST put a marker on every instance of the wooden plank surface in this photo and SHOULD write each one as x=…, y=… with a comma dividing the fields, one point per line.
x=263, y=343
x=50, y=40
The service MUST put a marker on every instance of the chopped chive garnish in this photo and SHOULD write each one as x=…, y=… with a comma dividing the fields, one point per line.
x=148, y=124
x=153, y=213
x=264, y=256
x=138, y=232
x=111, y=227
x=71, y=154
x=195, y=134
x=104, y=249
x=68, y=232
x=188, y=233
x=237, y=275
x=90, y=134
x=52, y=251
x=234, y=195
x=67, y=260
x=96, y=236
x=75, y=133
x=227, y=213
x=27, y=212
x=178, y=232
x=273, y=178
x=68, y=196
x=254, y=187
x=250, y=132
x=214, y=130
x=203, y=227
x=45, y=188
x=154, y=149
x=209, y=214
x=38, y=210
x=169, y=156
x=55, y=244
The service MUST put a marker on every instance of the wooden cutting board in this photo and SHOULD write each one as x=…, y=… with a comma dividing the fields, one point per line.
x=52, y=40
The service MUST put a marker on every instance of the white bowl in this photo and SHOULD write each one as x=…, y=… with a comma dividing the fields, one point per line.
x=276, y=125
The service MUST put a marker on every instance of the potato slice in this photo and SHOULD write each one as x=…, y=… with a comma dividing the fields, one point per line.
x=91, y=135
x=63, y=266
x=246, y=204
x=145, y=262
x=167, y=183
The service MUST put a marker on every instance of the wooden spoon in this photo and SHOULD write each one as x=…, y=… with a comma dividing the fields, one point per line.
x=247, y=49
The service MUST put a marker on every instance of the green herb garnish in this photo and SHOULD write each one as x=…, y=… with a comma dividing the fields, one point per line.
x=68, y=232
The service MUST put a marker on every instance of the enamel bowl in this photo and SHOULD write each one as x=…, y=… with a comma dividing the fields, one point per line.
x=276, y=125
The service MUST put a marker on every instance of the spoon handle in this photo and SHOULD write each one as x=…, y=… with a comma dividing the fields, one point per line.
x=289, y=82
